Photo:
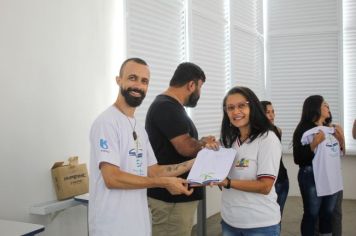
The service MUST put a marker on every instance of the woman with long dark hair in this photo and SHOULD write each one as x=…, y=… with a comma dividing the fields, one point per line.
x=249, y=200
x=282, y=182
x=313, y=145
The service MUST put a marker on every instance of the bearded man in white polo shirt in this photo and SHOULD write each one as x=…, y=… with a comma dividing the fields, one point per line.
x=122, y=163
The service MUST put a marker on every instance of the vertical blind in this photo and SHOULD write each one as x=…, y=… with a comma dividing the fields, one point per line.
x=304, y=58
x=349, y=48
x=207, y=43
x=155, y=32
x=306, y=51
x=165, y=33
x=247, y=45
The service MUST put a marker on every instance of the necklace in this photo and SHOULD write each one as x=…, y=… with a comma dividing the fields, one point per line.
x=134, y=134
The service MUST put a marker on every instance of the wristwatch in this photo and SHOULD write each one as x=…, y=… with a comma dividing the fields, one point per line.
x=228, y=185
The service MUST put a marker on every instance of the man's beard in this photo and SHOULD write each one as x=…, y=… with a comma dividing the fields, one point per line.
x=193, y=99
x=132, y=101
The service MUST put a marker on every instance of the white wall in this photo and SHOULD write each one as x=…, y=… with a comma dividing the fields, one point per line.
x=57, y=65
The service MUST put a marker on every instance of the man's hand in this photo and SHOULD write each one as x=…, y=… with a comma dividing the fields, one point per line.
x=177, y=186
x=210, y=142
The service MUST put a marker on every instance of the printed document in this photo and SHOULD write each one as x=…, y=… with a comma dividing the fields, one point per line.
x=211, y=165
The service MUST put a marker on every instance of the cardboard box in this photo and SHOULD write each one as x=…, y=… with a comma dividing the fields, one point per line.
x=71, y=179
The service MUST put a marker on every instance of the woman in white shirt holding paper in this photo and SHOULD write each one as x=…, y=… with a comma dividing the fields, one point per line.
x=249, y=200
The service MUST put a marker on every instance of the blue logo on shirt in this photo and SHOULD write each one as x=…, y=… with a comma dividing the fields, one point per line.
x=138, y=155
x=332, y=143
x=104, y=144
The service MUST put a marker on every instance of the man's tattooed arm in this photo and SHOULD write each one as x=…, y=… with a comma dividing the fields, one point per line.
x=170, y=170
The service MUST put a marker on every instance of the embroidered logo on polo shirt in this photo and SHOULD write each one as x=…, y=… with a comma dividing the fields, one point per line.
x=104, y=145
x=242, y=163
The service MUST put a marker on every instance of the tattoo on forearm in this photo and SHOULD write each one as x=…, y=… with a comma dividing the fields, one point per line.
x=175, y=167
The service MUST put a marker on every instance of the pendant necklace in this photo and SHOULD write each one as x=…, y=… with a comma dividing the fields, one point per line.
x=134, y=134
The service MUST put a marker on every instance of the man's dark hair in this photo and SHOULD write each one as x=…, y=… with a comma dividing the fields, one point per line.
x=134, y=59
x=185, y=73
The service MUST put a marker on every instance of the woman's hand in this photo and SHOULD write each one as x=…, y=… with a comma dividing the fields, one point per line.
x=318, y=138
x=221, y=184
x=339, y=135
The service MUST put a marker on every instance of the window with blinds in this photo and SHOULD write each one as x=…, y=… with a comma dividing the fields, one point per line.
x=224, y=37
x=155, y=32
x=303, y=59
x=207, y=43
x=349, y=49
x=247, y=45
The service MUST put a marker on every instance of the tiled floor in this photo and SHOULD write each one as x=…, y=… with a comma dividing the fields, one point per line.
x=292, y=218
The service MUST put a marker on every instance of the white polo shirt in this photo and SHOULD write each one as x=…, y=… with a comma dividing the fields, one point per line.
x=254, y=160
x=118, y=211
x=326, y=162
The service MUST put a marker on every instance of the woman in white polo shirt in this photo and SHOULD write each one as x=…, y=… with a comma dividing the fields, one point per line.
x=249, y=200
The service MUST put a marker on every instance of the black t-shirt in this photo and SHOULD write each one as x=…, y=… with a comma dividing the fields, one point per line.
x=282, y=172
x=303, y=155
x=166, y=119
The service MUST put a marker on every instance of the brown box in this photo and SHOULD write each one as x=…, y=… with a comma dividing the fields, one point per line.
x=70, y=180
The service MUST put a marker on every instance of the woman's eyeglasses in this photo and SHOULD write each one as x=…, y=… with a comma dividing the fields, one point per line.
x=241, y=106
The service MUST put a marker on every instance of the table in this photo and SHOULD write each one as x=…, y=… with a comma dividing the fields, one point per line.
x=84, y=198
x=15, y=228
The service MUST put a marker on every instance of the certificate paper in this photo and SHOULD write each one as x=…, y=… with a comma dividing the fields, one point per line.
x=211, y=166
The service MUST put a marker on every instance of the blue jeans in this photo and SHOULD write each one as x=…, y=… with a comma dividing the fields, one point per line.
x=228, y=230
x=337, y=216
x=313, y=205
x=282, y=188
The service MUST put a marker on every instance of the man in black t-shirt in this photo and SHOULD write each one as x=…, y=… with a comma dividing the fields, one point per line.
x=174, y=139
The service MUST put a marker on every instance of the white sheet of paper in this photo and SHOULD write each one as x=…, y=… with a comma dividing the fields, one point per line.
x=212, y=166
